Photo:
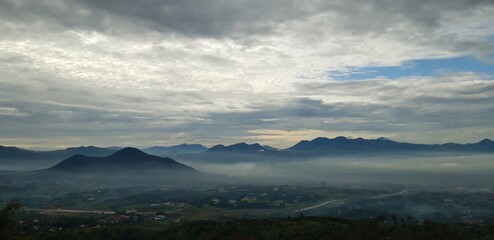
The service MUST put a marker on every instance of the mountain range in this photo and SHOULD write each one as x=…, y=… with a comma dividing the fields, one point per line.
x=359, y=145
x=320, y=146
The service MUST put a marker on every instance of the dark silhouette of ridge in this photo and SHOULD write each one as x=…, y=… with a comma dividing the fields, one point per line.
x=269, y=148
x=18, y=153
x=306, y=148
x=23, y=154
x=343, y=144
x=83, y=150
x=125, y=159
x=237, y=148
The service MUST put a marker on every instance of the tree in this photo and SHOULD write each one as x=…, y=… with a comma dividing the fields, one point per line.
x=9, y=228
x=395, y=219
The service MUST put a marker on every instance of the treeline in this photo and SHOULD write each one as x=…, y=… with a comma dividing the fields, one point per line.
x=329, y=228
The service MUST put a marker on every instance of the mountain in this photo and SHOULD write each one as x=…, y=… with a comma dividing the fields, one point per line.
x=237, y=148
x=114, y=148
x=18, y=153
x=127, y=159
x=321, y=146
x=485, y=145
x=340, y=144
x=21, y=159
x=360, y=145
x=14, y=153
x=13, y=158
x=267, y=147
x=91, y=151
x=182, y=148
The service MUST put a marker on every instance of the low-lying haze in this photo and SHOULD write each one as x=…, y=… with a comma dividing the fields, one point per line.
x=473, y=170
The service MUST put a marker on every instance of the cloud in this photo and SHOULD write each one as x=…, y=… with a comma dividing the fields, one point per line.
x=219, y=71
x=8, y=111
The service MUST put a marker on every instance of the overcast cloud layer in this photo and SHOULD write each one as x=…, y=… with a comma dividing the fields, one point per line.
x=160, y=72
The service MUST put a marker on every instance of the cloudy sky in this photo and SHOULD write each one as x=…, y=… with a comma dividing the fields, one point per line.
x=162, y=72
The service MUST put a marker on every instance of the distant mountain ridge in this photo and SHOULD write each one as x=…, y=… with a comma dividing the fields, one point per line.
x=343, y=144
x=129, y=159
x=182, y=148
x=304, y=148
x=357, y=144
x=19, y=153
x=88, y=151
x=237, y=148
x=15, y=153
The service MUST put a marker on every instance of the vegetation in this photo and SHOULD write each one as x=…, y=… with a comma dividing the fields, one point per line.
x=247, y=212
x=327, y=228
x=300, y=227
x=9, y=227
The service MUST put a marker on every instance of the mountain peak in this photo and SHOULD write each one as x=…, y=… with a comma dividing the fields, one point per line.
x=81, y=147
x=486, y=140
x=319, y=139
x=129, y=152
x=341, y=138
x=240, y=144
x=325, y=139
x=238, y=147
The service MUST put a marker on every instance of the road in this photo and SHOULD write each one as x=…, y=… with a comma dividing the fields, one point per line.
x=320, y=205
x=343, y=200
x=52, y=211
x=389, y=195
x=105, y=212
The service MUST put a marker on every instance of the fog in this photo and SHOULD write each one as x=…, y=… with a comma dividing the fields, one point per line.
x=419, y=185
x=430, y=170
x=26, y=165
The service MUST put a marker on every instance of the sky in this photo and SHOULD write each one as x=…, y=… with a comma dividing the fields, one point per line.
x=164, y=72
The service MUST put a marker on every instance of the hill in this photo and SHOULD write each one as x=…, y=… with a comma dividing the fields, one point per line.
x=127, y=159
